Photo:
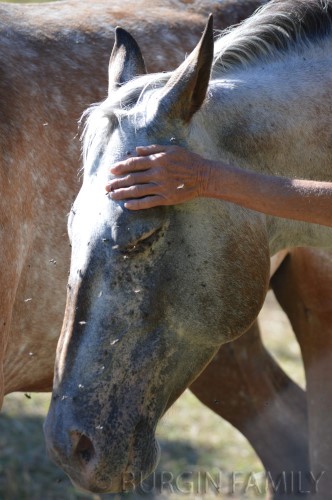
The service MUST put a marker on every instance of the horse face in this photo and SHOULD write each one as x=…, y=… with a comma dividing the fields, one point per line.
x=151, y=297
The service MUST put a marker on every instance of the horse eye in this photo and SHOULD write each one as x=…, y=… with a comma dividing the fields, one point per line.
x=145, y=241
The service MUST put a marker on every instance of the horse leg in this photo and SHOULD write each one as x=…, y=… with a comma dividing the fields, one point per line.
x=9, y=275
x=16, y=233
x=303, y=288
x=245, y=386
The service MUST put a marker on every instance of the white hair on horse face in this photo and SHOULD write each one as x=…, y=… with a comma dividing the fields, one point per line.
x=96, y=131
x=128, y=101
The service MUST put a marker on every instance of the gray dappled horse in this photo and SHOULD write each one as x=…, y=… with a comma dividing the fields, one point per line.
x=38, y=179
x=153, y=295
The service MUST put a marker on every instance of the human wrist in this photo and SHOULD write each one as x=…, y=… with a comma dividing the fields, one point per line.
x=204, y=175
x=222, y=181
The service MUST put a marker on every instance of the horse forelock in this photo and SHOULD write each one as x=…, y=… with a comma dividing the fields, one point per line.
x=96, y=127
x=101, y=119
x=275, y=28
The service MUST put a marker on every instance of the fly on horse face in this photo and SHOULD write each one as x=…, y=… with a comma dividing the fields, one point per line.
x=152, y=295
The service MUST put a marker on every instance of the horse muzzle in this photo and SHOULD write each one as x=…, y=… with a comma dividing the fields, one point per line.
x=110, y=460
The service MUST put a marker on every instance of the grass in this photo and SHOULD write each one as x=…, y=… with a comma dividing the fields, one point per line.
x=193, y=440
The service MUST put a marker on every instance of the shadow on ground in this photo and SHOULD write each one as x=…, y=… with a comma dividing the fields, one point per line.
x=26, y=473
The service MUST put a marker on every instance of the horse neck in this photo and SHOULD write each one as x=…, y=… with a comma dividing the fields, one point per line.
x=272, y=118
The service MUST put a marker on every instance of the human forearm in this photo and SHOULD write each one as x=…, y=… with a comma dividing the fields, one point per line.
x=167, y=175
x=305, y=200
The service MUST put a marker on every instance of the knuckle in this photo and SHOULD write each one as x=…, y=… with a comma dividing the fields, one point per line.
x=157, y=171
x=131, y=162
x=135, y=190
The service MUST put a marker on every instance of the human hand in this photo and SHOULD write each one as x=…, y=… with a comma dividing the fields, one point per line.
x=159, y=175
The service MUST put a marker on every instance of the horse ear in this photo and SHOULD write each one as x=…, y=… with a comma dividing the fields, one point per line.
x=186, y=89
x=126, y=60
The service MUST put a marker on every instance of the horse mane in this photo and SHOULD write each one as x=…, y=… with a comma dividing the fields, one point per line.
x=275, y=28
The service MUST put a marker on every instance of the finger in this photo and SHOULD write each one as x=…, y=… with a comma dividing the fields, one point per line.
x=136, y=163
x=150, y=150
x=129, y=180
x=146, y=202
x=134, y=192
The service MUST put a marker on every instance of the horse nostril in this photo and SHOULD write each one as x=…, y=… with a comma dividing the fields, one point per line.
x=82, y=446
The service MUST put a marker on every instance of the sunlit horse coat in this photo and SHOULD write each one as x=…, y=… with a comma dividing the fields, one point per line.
x=153, y=295
x=52, y=60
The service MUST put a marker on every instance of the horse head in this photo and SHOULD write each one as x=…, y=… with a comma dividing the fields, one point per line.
x=152, y=294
